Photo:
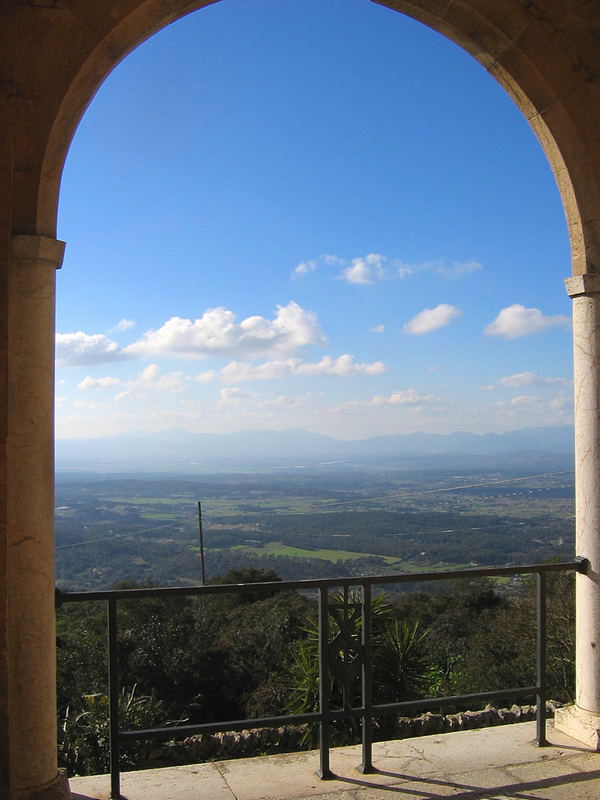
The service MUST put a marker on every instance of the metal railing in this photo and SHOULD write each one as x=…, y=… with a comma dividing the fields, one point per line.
x=326, y=715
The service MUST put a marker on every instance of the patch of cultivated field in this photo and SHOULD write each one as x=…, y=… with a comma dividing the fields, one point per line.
x=150, y=501
x=279, y=549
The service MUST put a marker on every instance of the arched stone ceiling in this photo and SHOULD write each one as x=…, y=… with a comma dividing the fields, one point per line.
x=545, y=54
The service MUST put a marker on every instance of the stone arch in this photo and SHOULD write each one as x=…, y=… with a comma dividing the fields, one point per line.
x=536, y=57
x=53, y=56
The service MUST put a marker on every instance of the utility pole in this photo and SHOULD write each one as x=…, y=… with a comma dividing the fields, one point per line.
x=201, y=539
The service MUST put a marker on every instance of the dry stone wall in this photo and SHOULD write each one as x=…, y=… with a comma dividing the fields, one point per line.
x=290, y=738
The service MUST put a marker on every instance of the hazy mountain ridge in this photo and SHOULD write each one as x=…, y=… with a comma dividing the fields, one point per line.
x=182, y=449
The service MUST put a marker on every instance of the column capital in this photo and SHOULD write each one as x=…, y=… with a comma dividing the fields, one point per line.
x=30, y=250
x=583, y=284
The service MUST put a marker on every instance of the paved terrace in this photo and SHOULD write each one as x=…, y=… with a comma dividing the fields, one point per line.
x=496, y=763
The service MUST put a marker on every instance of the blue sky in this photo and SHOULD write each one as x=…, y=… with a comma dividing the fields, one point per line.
x=308, y=213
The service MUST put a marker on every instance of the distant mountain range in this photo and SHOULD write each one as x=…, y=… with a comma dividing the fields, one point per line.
x=180, y=450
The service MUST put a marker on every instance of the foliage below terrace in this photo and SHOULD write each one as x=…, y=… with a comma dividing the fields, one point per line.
x=234, y=656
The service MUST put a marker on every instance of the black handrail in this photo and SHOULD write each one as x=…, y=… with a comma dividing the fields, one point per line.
x=325, y=715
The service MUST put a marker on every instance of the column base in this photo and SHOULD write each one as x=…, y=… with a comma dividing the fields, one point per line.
x=581, y=725
x=57, y=790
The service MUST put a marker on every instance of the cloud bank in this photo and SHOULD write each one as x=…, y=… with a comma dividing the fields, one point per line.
x=342, y=366
x=215, y=333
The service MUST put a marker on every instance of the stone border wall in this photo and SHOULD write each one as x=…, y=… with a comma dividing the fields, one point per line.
x=291, y=738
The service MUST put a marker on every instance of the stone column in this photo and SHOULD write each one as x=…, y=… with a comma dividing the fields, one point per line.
x=582, y=720
x=30, y=515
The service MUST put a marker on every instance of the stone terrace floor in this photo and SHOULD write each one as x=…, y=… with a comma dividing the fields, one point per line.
x=496, y=763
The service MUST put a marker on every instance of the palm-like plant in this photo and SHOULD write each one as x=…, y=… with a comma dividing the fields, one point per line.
x=400, y=669
x=398, y=658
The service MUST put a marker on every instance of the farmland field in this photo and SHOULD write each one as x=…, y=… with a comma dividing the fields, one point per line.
x=142, y=529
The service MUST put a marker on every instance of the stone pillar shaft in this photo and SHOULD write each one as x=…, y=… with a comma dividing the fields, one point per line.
x=582, y=721
x=585, y=291
x=30, y=516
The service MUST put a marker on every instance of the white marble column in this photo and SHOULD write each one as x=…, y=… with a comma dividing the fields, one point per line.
x=30, y=515
x=582, y=720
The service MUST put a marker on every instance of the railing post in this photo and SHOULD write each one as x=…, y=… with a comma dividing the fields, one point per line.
x=324, y=771
x=367, y=683
x=113, y=701
x=541, y=660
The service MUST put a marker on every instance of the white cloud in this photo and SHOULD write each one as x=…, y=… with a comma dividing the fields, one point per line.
x=361, y=270
x=523, y=400
x=404, y=270
x=430, y=319
x=237, y=371
x=81, y=349
x=124, y=324
x=378, y=329
x=217, y=333
x=528, y=410
x=407, y=397
x=341, y=366
x=440, y=266
x=562, y=405
x=530, y=379
x=151, y=380
x=458, y=268
x=364, y=270
x=98, y=383
x=304, y=267
x=78, y=404
x=206, y=377
x=517, y=406
x=236, y=397
x=285, y=401
x=517, y=320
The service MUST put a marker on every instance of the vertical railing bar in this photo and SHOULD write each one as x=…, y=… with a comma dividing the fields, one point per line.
x=113, y=701
x=541, y=660
x=345, y=615
x=367, y=683
x=324, y=771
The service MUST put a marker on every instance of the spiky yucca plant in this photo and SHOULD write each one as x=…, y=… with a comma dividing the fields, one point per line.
x=400, y=671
